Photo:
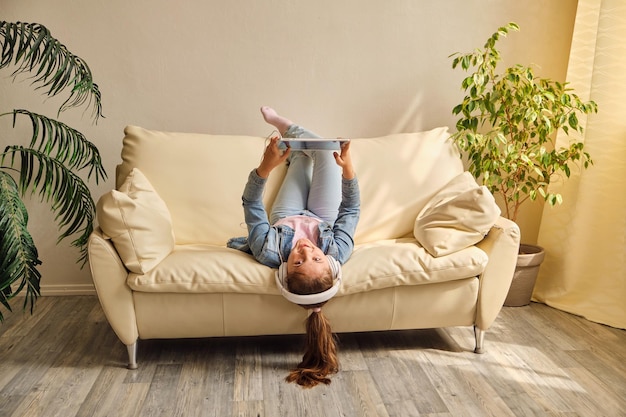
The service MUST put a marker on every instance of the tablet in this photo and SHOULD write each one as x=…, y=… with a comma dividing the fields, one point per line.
x=329, y=144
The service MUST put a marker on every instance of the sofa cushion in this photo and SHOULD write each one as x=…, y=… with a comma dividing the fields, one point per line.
x=398, y=174
x=201, y=178
x=389, y=263
x=394, y=262
x=458, y=216
x=138, y=222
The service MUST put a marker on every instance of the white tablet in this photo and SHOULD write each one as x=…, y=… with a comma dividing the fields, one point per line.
x=330, y=144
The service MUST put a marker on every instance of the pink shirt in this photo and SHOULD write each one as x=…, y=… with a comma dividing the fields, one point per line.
x=303, y=226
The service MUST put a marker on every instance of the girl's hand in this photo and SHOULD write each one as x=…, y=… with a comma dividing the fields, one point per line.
x=344, y=160
x=272, y=157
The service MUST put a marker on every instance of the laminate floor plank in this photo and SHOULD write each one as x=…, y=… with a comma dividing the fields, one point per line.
x=161, y=397
x=248, y=384
x=424, y=395
x=196, y=380
x=605, y=401
x=26, y=321
x=482, y=392
x=66, y=361
x=220, y=389
x=612, y=377
x=129, y=400
x=351, y=354
x=495, y=369
x=450, y=388
x=101, y=400
x=36, y=354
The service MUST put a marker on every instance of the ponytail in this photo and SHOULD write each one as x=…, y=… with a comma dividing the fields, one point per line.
x=320, y=358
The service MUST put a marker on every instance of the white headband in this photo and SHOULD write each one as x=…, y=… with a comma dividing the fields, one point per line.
x=335, y=268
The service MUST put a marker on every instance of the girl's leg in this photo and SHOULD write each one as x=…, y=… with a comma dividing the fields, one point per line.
x=324, y=184
x=282, y=124
x=292, y=198
x=293, y=193
x=325, y=190
x=279, y=122
x=313, y=179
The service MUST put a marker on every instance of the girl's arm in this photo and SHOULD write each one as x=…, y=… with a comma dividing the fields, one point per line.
x=344, y=160
x=272, y=157
x=253, y=207
x=350, y=207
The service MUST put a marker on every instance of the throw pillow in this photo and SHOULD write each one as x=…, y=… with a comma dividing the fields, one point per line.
x=138, y=222
x=458, y=216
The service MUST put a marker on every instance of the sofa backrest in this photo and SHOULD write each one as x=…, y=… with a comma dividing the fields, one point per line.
x=201, y=177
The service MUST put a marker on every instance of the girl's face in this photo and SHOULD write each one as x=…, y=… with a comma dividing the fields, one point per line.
x=306, y=258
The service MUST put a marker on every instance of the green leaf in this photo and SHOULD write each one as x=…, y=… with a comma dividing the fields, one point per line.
x=19, y=260
x=573, y=121
x=551, y=199
x=68, y=194
x=63, y=143
x=478, y=79
x=31, y=46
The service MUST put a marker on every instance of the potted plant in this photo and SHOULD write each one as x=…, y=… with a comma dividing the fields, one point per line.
x=507, y=128
x=49, y=162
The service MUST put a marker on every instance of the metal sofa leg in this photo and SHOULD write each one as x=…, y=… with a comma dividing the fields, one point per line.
x=479, y=335
x=132, y=355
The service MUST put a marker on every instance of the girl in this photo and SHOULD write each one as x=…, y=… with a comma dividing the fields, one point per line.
x=308, y=236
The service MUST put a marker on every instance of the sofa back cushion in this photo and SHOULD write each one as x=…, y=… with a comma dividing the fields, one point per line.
x=201, y=177
x=398, y=174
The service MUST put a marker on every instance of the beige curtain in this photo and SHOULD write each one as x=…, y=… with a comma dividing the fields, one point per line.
x=585, y=238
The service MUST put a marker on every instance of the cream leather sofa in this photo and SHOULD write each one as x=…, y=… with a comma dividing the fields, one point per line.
x=162, y=270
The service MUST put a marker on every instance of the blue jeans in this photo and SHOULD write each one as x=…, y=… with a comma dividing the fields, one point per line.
x=312, y=183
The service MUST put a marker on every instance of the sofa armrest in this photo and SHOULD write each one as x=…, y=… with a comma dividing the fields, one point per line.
x=502, y=247
x=109, y=276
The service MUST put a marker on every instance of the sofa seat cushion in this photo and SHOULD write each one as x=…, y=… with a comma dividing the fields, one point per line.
x=394, y=262
x=383, y=264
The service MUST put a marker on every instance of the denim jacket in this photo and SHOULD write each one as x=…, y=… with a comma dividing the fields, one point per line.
x=271, y=245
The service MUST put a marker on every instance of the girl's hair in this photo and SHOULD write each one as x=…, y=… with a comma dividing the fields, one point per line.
x=320, y=358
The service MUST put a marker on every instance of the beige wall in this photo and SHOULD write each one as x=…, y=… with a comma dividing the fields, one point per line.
x=343, y=68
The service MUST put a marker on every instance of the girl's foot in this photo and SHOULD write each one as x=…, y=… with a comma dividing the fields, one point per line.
x=279, y=122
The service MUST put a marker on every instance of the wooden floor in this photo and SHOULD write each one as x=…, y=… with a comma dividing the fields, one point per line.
x=66, y=361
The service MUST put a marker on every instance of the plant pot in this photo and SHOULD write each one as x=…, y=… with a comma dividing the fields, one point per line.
x=528, y=261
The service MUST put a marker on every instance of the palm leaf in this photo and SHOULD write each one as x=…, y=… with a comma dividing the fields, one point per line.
x=32, y=48
x=63, y=143
x=67, y=192
x=19, y=255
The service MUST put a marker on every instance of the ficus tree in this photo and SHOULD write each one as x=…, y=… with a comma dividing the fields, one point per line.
x=49, y=162
x=508, y=124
